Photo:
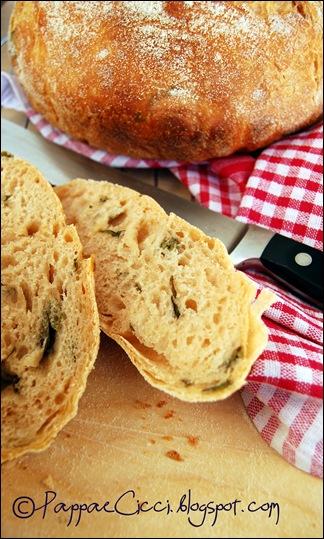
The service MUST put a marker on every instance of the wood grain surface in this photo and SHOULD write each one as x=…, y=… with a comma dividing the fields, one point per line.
x=129, y=436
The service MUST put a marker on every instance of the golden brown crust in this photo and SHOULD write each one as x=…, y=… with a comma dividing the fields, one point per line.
x=171, y=80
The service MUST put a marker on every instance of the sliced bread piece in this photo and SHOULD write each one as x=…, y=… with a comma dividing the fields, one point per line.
x=167, y=293
x=50, y=323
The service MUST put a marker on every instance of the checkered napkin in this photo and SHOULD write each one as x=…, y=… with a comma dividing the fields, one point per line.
x=281, y=189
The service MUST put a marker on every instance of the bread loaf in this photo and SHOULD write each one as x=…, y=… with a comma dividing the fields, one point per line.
x=49, y=318
x=171, y=80
x=167, y=293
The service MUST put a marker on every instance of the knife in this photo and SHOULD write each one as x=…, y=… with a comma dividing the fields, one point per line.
x=299, y=267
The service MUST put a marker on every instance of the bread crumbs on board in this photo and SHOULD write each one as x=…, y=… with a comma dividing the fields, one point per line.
x=174, y=455
x=193, y=440
x=160, y=404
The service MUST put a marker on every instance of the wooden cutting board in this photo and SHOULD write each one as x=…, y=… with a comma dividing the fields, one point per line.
x=129, y=436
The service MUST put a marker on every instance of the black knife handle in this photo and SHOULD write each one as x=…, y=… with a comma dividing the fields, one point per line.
x=297, y=265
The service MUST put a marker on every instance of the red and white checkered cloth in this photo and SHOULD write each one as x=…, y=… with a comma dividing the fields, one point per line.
x=280, y=189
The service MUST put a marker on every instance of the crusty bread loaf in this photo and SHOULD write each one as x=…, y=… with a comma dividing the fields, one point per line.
x=171, y=80
x=167, y=293
x=49, y=318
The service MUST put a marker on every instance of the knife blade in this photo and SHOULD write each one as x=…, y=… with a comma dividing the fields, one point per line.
x=298, y=266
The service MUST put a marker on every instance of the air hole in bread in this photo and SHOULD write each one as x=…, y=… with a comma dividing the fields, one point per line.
x=7, y=339
x=56, y=229
x=68, y=237
x=59, y=288
x=8, y=260
x=216, y=318
x=59, y=398
x=175, y=343
x=191, y=304
x=190, y=339
x=211, y=276
x=21, y=351
x=206, y=343
x=211, y=243
x=115, y=221
x=51, y=273
x=156, y=301
x=142, y=233
x=27, y=295
x=180, y=234
x=32, y=228
x=116, y=304
x=38, y=403
x=123, y=202
x=55, y=256
x=194, y=235
x=83, y=289
x=183, y=261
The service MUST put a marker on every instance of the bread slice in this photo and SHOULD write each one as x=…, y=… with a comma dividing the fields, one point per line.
x=167, y=293
x=50, y=323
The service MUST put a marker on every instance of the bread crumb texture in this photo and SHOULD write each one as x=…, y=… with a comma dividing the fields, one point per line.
x=167, y=293
x=172, y=80
x=49, y=319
